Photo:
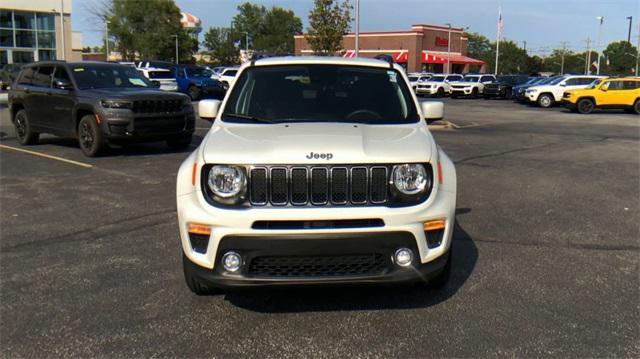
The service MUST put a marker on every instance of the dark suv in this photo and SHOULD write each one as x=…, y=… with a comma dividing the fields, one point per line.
x=99, y=103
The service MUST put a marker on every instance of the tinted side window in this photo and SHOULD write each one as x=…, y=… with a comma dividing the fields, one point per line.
x=631, y=85
x=615, y=85
x=454, y=78
x=26, y=76
x=573, y=82
x=42, y=78
x=231, y=73
x=487, y=78
x=61, y=74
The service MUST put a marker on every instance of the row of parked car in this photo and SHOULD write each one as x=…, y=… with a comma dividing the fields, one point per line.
x=580, y=93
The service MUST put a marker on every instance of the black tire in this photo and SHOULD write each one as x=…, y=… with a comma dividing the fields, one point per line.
x=636, y=107
x=508, y=94
x=90, y=137
x=441, y=280
x=195, y=93
x=25, y=135
x=545, y=100
x=474, y=92
x=195, y=284
x=585, y=106
x=179, y=143
x=454, y=95
x=440, y=92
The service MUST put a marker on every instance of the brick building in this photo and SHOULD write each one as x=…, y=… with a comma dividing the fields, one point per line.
x=423, y=48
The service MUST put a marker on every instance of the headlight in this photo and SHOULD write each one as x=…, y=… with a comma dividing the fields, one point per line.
x=227, y=183
x=411, y=179
x=116, y=104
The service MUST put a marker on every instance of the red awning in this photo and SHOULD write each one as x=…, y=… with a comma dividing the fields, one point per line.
x=440, y=58
x=400, y=57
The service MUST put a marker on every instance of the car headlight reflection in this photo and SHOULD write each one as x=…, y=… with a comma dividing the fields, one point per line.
x=411, y=179
x=227, y=183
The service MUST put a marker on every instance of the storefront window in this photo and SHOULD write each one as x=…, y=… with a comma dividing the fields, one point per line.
x=6, y=19
x=44, y=55
x=3, y=57
x=25, y=38
x=46, y=39
x=22, y=56
x=46, y=22
x=6, y=38
x=24, y=20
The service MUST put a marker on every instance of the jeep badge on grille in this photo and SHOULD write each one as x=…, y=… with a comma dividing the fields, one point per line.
x=317, y=156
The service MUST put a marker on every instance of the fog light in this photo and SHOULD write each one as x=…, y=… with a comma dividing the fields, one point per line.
x=403, y=257
x=231, y=261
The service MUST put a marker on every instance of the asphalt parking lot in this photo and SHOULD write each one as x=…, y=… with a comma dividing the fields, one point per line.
x=547, y=254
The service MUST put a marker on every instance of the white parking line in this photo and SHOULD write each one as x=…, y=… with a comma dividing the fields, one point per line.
x=56, y=158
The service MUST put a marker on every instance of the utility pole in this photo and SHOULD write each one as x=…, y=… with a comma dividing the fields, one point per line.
x=564, y=50
x=499, y=34
x=357, y=45
x=587, y=58
x=630, y=18
x=449, y=50
x=106, y=39
x=176, y=37
x=598, y=44
x=524, y=42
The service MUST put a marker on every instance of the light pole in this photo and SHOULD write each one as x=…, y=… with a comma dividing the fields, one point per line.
x=106, y=38
x=598, y=45
x=449, y=50
x=176, y=37
x=357, y=39
x=630, y=18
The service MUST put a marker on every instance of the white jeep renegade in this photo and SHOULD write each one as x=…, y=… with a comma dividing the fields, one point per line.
x=316, y=170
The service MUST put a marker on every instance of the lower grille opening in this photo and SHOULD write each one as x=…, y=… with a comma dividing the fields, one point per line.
x=434, y=238
x=338, y=224
x=318, y=266
x=199, y=242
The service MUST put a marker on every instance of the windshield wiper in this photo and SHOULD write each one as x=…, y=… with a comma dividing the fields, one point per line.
x=248, y=117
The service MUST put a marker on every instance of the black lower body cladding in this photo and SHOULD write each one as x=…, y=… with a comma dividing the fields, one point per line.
x=306, y=259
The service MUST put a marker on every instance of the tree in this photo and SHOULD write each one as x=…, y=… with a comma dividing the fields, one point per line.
x=619, y=58
x=512, y=58
x=147, y=29
x=220, y=42
x=328, y=22
x=270, y=30
x=479, y=46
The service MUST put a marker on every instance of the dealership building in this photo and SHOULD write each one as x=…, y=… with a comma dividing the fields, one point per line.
x=37, y=30
x=423, y=48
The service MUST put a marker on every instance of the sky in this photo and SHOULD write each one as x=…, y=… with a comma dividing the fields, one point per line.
x=543, y=24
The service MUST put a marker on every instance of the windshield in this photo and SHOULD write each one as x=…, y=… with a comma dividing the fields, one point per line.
x=437, y=79
x=470, y=79
x=107, y=76
x=320, y=93
x=413, y=78
x=198, y=72
x=555, y=81
x=594, y=84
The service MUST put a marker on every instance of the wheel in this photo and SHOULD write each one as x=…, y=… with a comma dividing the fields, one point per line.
x=636, y=107
x=179, y=143
x=194, y=283
x=194, y=93
x=474, y=92
x=24, y=134
x=440, y=92
x=454, y=95
x=508, y=94
x=545, y=100
x=585, y=106
x=441, y=280
x=90, y=137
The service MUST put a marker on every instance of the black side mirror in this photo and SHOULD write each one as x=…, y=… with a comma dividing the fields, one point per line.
x=62, y=84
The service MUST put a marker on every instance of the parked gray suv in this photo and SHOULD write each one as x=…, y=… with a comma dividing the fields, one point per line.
x=99, y=104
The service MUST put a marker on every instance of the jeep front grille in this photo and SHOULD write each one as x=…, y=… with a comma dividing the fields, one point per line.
x=157, y=106
x=356, y=185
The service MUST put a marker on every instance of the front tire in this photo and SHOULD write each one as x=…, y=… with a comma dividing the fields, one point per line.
x=440, y=92
x=179, y=143
x=90, y=137
x=545, y=100
x=474, y=92
x=25, y=135
x=195, y=284
x=585, y=106
x=636, y=107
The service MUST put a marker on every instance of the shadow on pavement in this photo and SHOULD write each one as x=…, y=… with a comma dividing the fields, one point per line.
x=338, y=298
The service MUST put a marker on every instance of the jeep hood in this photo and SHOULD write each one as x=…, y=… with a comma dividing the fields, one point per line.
x=292, y=143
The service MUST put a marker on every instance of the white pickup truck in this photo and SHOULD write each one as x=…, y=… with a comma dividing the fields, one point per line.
x=308, y=177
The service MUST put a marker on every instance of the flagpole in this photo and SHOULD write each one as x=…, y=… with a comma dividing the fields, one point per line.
x=498, y=38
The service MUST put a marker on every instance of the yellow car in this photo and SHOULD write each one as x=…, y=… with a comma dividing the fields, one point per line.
x=621, y=93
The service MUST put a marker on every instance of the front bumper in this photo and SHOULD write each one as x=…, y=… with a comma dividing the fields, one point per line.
x=427, y=90
x=462, y=91
x=531, y=96
x=361, y=258
x=127, y=126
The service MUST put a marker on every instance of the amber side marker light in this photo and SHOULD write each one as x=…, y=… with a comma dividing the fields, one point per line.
x=433, y=225
x=97, y=119
x=439, y=173
x=193, y=174
x=196, y=228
